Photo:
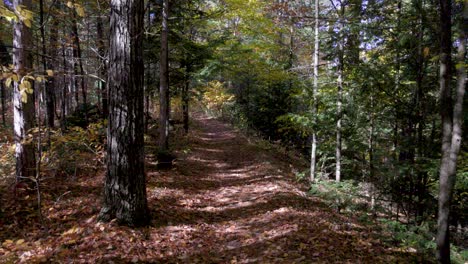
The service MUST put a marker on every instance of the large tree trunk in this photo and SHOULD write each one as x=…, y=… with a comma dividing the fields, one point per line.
x=313, y=152
x=23, y=112
x=451, y=113
x=164, y=82
x=125, y=189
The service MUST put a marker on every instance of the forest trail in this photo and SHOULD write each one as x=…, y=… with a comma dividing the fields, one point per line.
x=226, y=200
x=232, y=201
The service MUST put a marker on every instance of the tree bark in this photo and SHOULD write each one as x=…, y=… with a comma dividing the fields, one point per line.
x=23, y=112
x=164, y=82
x=451, y=114
x=125, y=189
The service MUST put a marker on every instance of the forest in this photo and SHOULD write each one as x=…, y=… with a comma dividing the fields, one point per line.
x=233, y=131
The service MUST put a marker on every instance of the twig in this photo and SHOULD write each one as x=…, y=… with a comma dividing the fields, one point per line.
x=58, y=199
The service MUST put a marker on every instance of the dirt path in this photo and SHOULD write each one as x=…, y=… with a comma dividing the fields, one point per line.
x=225, y=201
x=229, y=201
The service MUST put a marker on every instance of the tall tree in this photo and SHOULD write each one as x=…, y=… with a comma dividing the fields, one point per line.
x=46, y=65
x=125, y=188
x=164, y=81
x=452, y=114
x=339, y=98
x=102, y=66
x=313, y=155
x=23, y=99
x=5, y=59
x=78, y=59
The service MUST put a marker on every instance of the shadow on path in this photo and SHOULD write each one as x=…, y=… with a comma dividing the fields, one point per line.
x=230, y=201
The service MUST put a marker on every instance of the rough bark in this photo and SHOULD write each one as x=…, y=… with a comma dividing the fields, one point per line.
x=23, y=112
x=125, y=190
x=164, y=82
x=451, y=114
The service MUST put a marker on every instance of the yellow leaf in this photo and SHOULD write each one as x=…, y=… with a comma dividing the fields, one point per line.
x=24, y=96
x=50, y=72
x=15, y=77
x=79, y=10
x=20, y=241
x=7, y=242
x=27, y=22
x=8, y=82
x=70, y=4
x=39, y=79
x=426, y=51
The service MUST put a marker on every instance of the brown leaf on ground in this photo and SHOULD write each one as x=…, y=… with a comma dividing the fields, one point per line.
x=226, y=201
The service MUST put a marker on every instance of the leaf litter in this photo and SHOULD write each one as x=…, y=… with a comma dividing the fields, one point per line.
x=227, y=200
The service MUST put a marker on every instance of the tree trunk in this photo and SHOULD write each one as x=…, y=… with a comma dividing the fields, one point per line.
x=65, y=98
x=102, y=67
x=23, y=113
x=2, y=95
x=125, y=189
x=313, y=153
x=147, y=70
x=338, y=121
x=339, y=99
x=5, y=59
x=78, y=60
x=452, y=114
x=49, y=85
x=370, y=147
x=164, y=82
x=186, y=97
x=353, y=40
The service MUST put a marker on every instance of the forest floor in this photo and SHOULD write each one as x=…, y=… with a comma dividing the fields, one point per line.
x=228, y=199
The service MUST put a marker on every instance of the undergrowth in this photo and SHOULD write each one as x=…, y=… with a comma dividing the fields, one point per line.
x=346, y=197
